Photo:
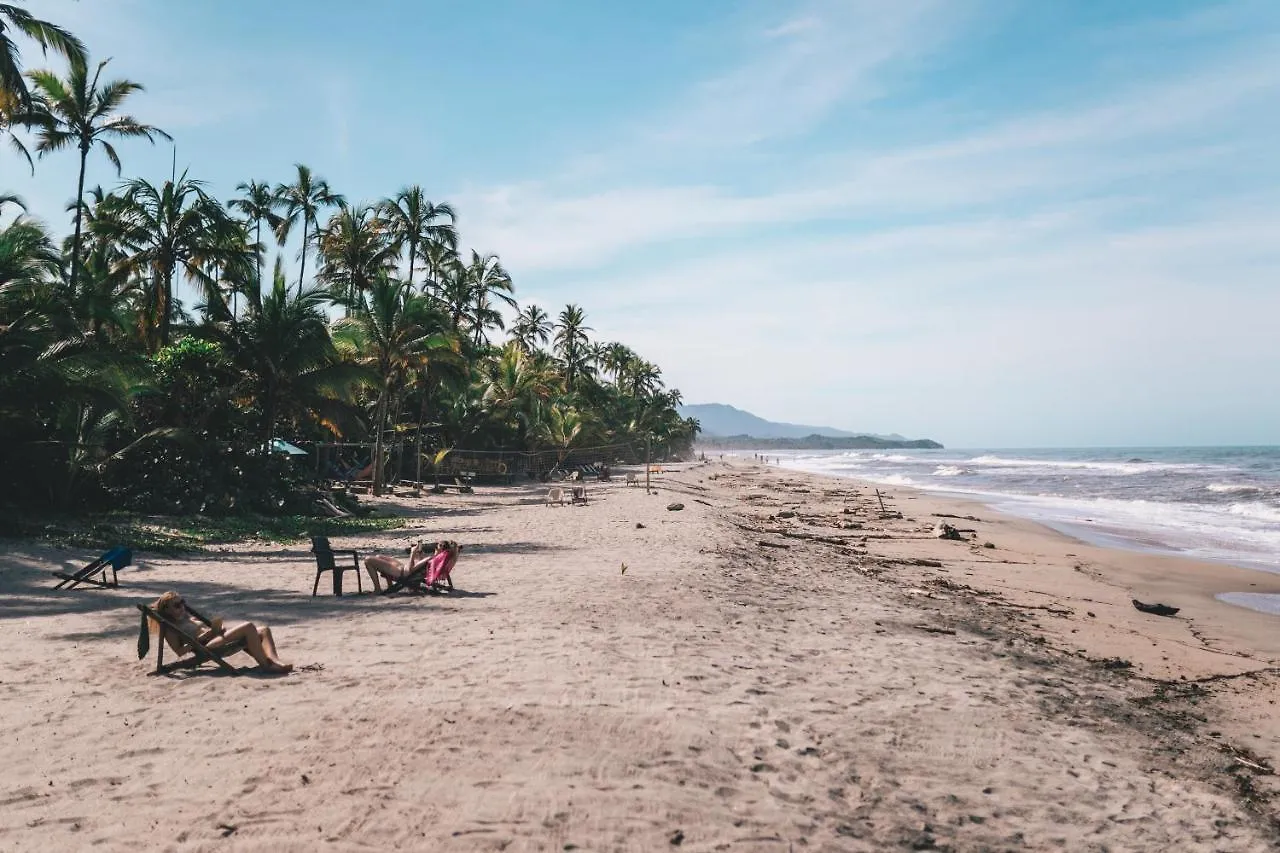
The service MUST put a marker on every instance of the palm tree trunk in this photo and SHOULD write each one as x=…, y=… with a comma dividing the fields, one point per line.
x=164, y=300
x=380, y=414
x=413, y=250
x=258, y=239
x=302, y=271
x=75, y=241
x=422, y=417
x=270, y=416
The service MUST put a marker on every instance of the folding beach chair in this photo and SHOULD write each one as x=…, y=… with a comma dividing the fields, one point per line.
x=631, y=479
x=199, y=651
x=579, y=495
x=327, y=561
x=555, y=495
x=114, y=560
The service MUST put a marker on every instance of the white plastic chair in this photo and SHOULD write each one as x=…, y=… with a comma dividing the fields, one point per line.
x=555, y=495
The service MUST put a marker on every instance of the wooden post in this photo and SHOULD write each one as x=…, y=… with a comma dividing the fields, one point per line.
x=882, y=509
x=648, y=456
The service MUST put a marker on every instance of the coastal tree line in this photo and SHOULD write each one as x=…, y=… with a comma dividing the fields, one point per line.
x=388, y=330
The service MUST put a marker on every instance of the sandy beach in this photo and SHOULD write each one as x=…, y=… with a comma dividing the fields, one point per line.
x=778, y=666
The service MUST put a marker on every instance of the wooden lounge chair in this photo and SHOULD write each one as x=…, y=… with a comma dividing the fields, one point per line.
x=114, y=560
x=327, y=561
x=555, y=495
x=199, y=652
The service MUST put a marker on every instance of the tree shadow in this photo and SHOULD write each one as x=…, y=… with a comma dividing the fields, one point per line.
x=26, y=590
x=512, y=548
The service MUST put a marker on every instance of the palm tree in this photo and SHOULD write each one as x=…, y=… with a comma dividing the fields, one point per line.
x=176, y=228
x=304, y=199
x=13, y=19
x=616, y=357
x=258, y=204
x=388, y=332
x=487, y=280
x=561, y=428
x=284, y=346
x=107, y=295
x=531, y=328
x=413, y=223
x=514, y=385
x=355, y=248
x=77, y=111
x=571, y=342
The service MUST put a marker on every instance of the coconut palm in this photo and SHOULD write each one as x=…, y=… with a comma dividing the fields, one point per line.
x=15, y=19
x=415, y=223
x=79, y=112
x=571, y=342
x=515, y=385
x=258, y=204
x=303, y=200
x=355, y=248
x=488, y=281
x=388, y=332
x=532, y=327
x=173, y=230
x=283, y=345
x=560, y=428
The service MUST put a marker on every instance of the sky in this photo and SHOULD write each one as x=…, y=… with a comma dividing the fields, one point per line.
x=993, y=223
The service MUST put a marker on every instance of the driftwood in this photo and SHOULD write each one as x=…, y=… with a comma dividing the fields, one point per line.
x=1155, y=609
x=1048, y=608
x=960, y=517
x=935, y=630
x=767, y=544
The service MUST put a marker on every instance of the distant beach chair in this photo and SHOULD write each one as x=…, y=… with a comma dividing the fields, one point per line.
x=200, y=653
x=114, y=560
x=327, y=561
x=632, y=480
x=579, y=495
x=555, y=495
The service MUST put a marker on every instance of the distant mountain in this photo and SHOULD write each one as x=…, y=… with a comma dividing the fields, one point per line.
x=720, y=421
x=717, y=419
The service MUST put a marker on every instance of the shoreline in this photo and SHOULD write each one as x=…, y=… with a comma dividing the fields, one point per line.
x=772, y=667
x=1115, y=534
x=1207, y=504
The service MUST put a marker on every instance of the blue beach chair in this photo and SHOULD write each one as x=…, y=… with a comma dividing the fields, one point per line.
x=114, y=560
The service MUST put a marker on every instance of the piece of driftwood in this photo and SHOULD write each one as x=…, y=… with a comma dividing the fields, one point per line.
x=932, y=629
x=768, y=544
x=1155, y=609
x=961, y=517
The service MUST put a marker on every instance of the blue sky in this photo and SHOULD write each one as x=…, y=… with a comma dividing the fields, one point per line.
x=990, y=222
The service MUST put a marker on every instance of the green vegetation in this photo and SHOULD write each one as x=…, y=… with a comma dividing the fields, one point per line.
x=115, y=396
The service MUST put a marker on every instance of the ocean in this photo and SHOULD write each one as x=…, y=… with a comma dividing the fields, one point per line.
x=1209, y=503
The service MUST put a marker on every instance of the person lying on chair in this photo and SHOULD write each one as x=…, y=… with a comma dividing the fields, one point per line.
x=258, y=642
x=381, y=566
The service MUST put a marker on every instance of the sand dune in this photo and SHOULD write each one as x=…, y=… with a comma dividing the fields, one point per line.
x=719, y=694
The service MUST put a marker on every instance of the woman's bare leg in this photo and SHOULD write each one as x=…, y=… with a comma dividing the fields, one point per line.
x=380, y=565
x=269, y=646
x=248, y=632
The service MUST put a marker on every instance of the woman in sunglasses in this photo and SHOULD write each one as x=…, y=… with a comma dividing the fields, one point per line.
x=258, y=642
